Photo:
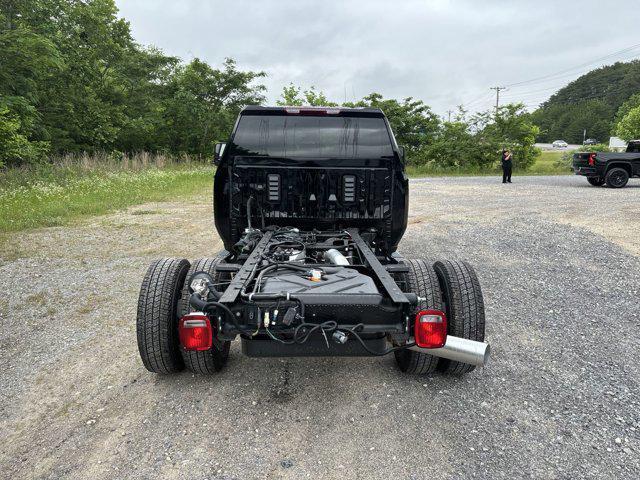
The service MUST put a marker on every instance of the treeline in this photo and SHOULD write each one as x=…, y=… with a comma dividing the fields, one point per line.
x=73, y=79
x=467, y=142
x=589, y=103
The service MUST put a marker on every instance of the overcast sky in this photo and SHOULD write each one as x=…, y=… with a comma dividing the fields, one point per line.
x=444, y=52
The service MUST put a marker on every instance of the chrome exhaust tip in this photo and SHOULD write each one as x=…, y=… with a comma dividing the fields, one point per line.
x=461, y=350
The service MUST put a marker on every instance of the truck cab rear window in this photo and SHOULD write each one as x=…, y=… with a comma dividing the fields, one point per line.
x=311, y=137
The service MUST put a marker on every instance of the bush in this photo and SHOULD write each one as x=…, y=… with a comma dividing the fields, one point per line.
x=629, y=127
x=15, y=148
x=453, y=147
x=599, y=147
x=475, y=144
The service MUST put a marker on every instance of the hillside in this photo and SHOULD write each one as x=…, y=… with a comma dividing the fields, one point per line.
x=590, y=103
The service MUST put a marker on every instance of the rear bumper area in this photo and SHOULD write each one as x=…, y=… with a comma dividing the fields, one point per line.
x=586, y=171
x=314, y=347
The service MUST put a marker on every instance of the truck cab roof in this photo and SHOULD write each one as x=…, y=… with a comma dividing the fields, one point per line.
x=312, y=110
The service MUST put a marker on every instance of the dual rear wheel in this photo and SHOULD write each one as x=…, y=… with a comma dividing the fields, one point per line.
x=453, y=288
x=164, y=299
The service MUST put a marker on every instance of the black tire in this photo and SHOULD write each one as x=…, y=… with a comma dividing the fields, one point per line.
x=421, y=280
x=157, y=320
x=595, y=181
x=213, y=360
x=464, y=307
x=617, y=177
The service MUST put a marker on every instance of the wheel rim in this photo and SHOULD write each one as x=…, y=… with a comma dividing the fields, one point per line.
x=617, y=179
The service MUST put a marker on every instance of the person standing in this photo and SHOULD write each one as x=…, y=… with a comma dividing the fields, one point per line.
x=507, y=166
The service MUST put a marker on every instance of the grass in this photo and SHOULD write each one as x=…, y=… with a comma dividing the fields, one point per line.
x=546, y=164
x=417, y=171
x=56, y=194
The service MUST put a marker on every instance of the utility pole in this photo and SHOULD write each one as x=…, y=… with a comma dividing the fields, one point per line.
x=449, y=112
x=497, y=89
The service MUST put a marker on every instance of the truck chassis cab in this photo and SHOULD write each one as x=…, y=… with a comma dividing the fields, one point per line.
x=311, y=204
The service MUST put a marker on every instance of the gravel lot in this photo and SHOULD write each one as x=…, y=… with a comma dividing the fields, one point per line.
x=559, y=264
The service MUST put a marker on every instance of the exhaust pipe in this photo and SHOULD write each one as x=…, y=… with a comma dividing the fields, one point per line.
x=461, y=350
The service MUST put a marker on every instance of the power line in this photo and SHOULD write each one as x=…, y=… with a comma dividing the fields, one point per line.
x=531, y=103
x=551, y=78
x=572, y=74
x=599, y=95
x=481, y=98
x=524, y=94
x=532, y=94
x=537, y=79
x=593, y=96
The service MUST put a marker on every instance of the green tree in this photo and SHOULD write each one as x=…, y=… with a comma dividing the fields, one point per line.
x=290, y=96
x=626, y=107
x=589, y=103
x=27, y=59
x=15, y=148
x=72, y=75
x=70, y=53
x=568, y=122
x=454, y=147
x=413, y=123
x=294, y=96
x=145, y=75
x=204, y=102
x=514, y=128
x=511, y=128
x=629, y=127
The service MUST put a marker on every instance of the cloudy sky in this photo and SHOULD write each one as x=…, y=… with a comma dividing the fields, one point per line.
x=444, y=52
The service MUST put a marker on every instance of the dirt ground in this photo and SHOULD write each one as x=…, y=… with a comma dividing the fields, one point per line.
x=559, y=264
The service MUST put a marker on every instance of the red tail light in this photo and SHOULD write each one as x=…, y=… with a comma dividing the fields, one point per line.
x=592, y=159
x=195, y=332
x=430, y=329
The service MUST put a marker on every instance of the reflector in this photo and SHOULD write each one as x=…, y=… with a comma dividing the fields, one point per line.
x=430, y=330
x=195, y=332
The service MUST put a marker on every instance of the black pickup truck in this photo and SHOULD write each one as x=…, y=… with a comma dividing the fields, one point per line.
x=613, y=168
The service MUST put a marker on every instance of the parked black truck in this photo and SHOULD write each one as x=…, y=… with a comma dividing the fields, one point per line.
x=613, y=169
x=311, y=204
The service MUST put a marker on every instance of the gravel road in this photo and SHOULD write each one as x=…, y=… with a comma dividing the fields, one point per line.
x=559, y=264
